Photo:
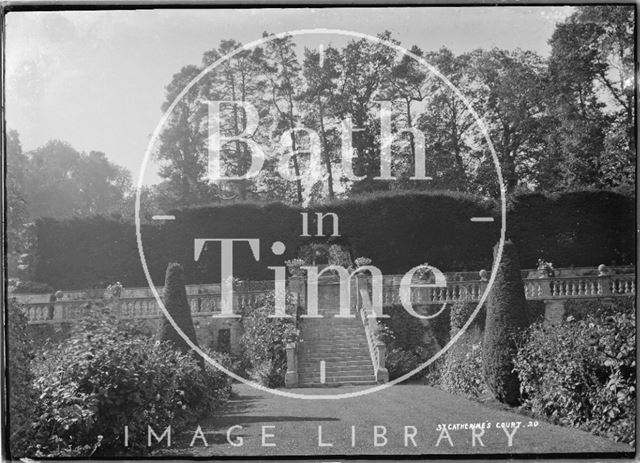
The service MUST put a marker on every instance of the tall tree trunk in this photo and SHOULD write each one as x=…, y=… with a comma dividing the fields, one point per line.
x=325, y=153
x=294, y=156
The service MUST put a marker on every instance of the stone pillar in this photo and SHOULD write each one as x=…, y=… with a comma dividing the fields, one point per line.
x=604, y=287
x=291, y=376
x=58, y=311
x=553, y=311
x=296, y=288
x=382, y=374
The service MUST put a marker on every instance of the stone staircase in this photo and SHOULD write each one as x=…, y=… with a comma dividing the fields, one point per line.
x=341, y=343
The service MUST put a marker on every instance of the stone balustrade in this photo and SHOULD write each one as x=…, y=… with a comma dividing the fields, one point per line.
x=132, y=308
x=546, y=289
x=586, y=287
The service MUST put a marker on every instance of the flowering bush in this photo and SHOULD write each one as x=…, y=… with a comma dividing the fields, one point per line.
x=104, y=378
x=461, y=372
x=582, y=373
x=545, y=269
x=362, y=261
x=294, y=266
x=113, y=291
x=264, y=341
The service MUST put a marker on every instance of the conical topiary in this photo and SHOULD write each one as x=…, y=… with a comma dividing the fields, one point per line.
x=506, y=318
x=175, y=300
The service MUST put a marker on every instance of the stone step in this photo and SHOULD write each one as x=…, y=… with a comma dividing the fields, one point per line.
x=346, y=351
x=354, y=341
x=336, y=373
x=341, y=361
x=332, y=337
x=332, y=331
x=340, y=379
x=307, y=361
x=332, y=356
x=327, y=385
x=315, y=369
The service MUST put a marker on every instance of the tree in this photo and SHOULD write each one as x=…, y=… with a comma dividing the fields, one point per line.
x=506, y=318
x=404, y=86
x=17, y=214
x=512, y=106
x=321, y=75
x=285, y=85
x=364, y=66
x=62, y=182
x=176, y=303
x=182, y=149
x=447, y=123
x=591, y=68
x=239, y=78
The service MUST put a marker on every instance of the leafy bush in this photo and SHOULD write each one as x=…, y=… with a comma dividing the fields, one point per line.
x=409, y=342
x=399, y=361
x=506, y=318
x=461, y=371
x=460, y=313
x=29, y=287
x=579, y=309
x=22, y=396
x=103, y=378
x=264, y=341
x=582, y=373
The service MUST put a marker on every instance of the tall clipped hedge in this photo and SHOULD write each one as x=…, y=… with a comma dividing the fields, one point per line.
x=176, y=303
x=505, y=322
x=397, y=231
x=582, y=228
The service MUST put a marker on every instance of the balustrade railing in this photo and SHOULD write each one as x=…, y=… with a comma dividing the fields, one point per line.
x=377, y=348
x=133, y=308
x=549, y=288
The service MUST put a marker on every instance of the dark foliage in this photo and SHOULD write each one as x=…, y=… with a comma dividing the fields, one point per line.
x=22, y=396
x=264, y=341
x=573, y=228
x=397, y=231
x=175, y=301
x=506, y=318
x=106, y=376
x=583, y=372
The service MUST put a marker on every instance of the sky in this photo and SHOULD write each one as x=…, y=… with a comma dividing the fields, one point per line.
x=97, y=79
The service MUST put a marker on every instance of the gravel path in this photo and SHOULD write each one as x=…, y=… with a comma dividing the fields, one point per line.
x=406, y=419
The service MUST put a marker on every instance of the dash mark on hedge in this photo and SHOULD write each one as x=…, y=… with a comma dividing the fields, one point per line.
x=482, y=219
x=322, y=373
x=164, y=217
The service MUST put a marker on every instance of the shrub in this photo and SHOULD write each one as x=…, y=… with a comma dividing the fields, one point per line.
x=264, y=341
x=409, y=342
x=579, y=309
x=461, y=371
x=22, y=396
x=29, y=287
x=103, y=378
x=461, y=311
x=506, y=317
x=582, y=373
x=399, y=361
x=175, y=301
